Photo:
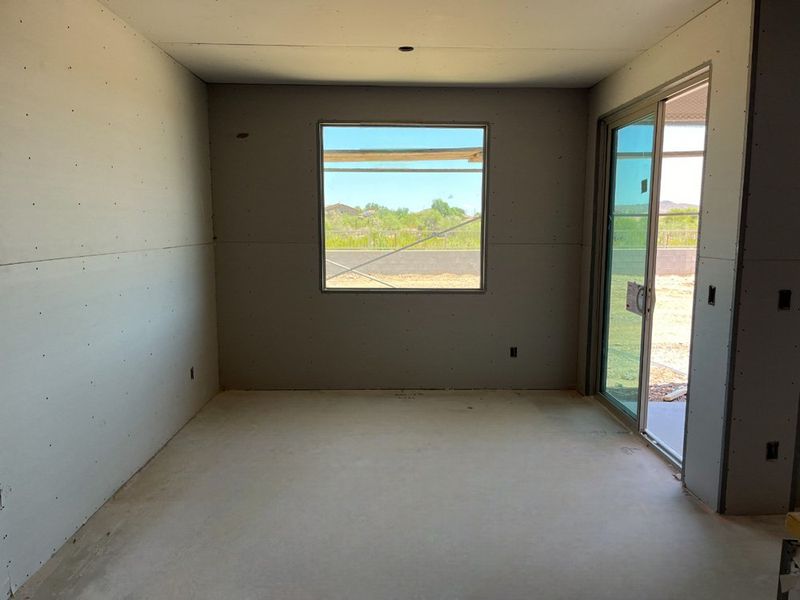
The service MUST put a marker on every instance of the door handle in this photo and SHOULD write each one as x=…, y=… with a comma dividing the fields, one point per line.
x=636, y=298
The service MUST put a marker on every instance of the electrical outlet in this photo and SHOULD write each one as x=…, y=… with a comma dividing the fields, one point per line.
x=784, y=299
x=772, y=450
x=512, y=351
x=712, y=295
x=191, y=373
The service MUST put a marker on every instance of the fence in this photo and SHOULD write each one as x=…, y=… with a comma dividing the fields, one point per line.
x=670, y=238
x=669, y=261
x=466, y=238
x=430, y=262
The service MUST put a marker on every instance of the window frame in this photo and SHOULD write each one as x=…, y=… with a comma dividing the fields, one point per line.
x=321, y=124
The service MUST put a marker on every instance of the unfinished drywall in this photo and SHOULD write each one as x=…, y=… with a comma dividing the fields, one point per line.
x=278, y=330
x=106, y=266
x=720, y=37
x=766, y=387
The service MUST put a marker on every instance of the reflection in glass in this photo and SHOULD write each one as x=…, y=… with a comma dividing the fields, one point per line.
x=631, y=172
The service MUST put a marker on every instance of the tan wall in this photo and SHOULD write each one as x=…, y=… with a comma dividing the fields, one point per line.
x=277, y=330
x=106, y=266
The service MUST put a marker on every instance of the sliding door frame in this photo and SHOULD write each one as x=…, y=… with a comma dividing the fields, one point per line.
x=653, y=102
x=629, y=118
x=650, y=270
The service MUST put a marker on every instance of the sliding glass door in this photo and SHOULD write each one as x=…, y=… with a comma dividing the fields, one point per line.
x=630, y=194
x=654, y=176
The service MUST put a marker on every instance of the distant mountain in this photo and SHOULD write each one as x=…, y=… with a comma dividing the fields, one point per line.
x=667, y=206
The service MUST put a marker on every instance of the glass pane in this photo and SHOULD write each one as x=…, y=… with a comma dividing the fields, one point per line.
x=631, y=170
x=403, y=206
x=683, y=152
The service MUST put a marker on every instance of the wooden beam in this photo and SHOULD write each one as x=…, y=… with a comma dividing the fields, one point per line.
x=389, y=170
x=473, y=155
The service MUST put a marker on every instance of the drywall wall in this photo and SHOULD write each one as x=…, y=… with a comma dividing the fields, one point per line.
x=278, y=330
x=720, y=37
x=106, y=266
x=766, y=387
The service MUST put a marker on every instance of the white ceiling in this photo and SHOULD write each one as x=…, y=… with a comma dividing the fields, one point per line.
x=571, y=43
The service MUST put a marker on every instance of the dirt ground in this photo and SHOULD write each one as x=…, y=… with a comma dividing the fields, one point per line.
x=672, y=327
x=407, y=281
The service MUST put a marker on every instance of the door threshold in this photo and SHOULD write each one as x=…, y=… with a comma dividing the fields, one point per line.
x=663, y=448
x=631, y=424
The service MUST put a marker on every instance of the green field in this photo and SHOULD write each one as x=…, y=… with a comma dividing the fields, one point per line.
x=677, y=230
x=376, y=227
x=624, y=344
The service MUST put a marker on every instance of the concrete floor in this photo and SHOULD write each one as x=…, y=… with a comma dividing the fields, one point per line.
x=406, y=495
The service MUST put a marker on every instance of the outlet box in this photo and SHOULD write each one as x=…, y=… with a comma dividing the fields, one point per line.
x=784, y=299
x=772, y=450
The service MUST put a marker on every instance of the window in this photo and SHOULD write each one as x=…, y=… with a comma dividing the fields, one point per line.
x=403, y=206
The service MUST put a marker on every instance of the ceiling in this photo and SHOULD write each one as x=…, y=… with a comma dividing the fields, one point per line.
x=569, y=43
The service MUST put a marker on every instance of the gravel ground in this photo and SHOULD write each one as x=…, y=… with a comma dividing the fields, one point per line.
x=672, y=327
x=445, y=280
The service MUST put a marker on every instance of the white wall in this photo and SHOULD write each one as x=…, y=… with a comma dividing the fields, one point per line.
x=721, y=37
x=106, y=266
x=278, y=330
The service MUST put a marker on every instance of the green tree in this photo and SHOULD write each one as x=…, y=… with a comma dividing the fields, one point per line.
x=442, y=207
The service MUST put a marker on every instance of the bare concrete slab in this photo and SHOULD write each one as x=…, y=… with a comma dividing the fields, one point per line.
x=435, y=495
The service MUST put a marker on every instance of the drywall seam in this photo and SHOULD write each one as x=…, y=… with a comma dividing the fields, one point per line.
x=83, y=256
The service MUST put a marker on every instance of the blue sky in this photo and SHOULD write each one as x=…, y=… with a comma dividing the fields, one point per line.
x=414, y=191
x=630, y=172
x=681, y=177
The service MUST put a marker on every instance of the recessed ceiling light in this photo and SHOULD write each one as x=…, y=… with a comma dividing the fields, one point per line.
x=406, y=48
